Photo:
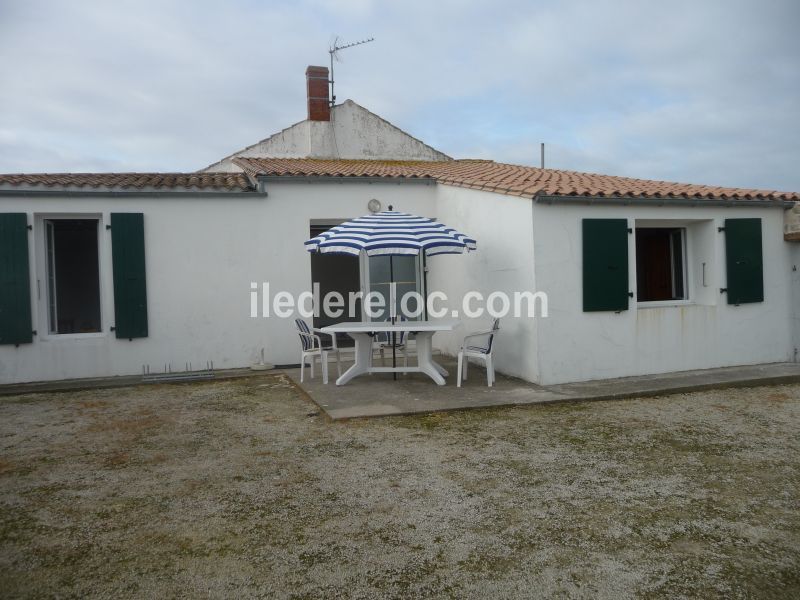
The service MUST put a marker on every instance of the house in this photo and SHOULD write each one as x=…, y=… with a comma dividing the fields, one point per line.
x=103, y=273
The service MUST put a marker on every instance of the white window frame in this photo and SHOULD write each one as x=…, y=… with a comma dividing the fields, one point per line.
x=42, y=289
x=687, y=291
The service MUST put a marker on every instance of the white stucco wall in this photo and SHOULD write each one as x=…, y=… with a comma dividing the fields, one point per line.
x=352, y=133
x=502, y=226
x=704, y=333
x=791, y=221
x=355, y=132
x=292, y=142
x=201, y=256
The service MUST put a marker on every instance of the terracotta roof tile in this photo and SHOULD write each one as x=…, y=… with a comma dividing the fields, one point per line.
x=503, y=178
x=475, y=174
x=200, y=181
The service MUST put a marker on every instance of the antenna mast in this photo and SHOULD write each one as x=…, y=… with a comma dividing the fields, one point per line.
x=333, y=51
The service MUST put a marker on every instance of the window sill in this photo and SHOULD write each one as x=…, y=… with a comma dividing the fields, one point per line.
x=665, y=303
x=53, y=337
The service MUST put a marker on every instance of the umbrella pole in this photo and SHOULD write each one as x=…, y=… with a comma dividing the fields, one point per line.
x=391, y=315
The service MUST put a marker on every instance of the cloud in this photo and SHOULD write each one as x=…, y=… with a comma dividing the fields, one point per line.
x=701, y=92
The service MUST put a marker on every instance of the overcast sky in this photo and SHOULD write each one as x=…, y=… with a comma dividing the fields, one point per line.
x=699, y=91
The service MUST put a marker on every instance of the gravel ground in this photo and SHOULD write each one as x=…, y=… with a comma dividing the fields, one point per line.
x=239, y=489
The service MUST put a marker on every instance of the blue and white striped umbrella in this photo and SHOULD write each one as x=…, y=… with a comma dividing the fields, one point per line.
x=391, y=233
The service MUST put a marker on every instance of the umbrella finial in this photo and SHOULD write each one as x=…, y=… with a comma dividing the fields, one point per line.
x=390, y=208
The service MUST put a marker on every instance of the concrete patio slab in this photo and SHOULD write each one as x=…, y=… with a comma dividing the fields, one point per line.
x=378, y=395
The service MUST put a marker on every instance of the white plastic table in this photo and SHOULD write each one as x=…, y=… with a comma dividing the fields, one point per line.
x=362, y=332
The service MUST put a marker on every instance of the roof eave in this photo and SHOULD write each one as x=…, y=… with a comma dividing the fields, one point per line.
x=130, y=193
x=310, y=178
x=666, y=201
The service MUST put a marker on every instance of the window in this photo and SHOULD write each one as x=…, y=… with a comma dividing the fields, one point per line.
x=73, y=282
x=660, y=264
x=404, y=271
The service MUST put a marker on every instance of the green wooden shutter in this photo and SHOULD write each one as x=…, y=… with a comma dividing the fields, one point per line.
x=743, y=261
x=130, y=288
x=15, y=282
x=605, y=265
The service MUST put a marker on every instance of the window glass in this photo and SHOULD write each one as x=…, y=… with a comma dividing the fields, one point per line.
x=403, y=271
x=660, y=264
x=73, y=282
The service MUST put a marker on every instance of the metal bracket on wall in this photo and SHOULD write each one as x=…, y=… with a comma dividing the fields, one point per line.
x=108, y=227
x=723, y=290
x=720, y=229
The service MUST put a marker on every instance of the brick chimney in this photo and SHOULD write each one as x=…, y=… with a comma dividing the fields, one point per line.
x=319, y=108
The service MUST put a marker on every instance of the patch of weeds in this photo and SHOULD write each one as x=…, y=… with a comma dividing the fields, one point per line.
x=129, y=425
x=17, y=524
x=191, y=548
x=93, y=404
x=8, y=468
x=45, y=492
x=755, y=579
x=321, y=554
x=330, y=497
x=690, y=440
x=116, y=460
x=433, y=420
x=46, y=459
x=71, y=556
x=157, y=459
x=336, y=447
x=691, y=578
x=402, y=581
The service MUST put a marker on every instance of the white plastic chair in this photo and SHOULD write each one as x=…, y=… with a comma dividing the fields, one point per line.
x=312, y=347
x=471, y=348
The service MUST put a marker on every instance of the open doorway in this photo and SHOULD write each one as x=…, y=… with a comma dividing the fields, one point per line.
x=335, y=273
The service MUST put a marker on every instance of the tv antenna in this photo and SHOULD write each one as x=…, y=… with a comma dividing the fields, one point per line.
x=334, y=52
